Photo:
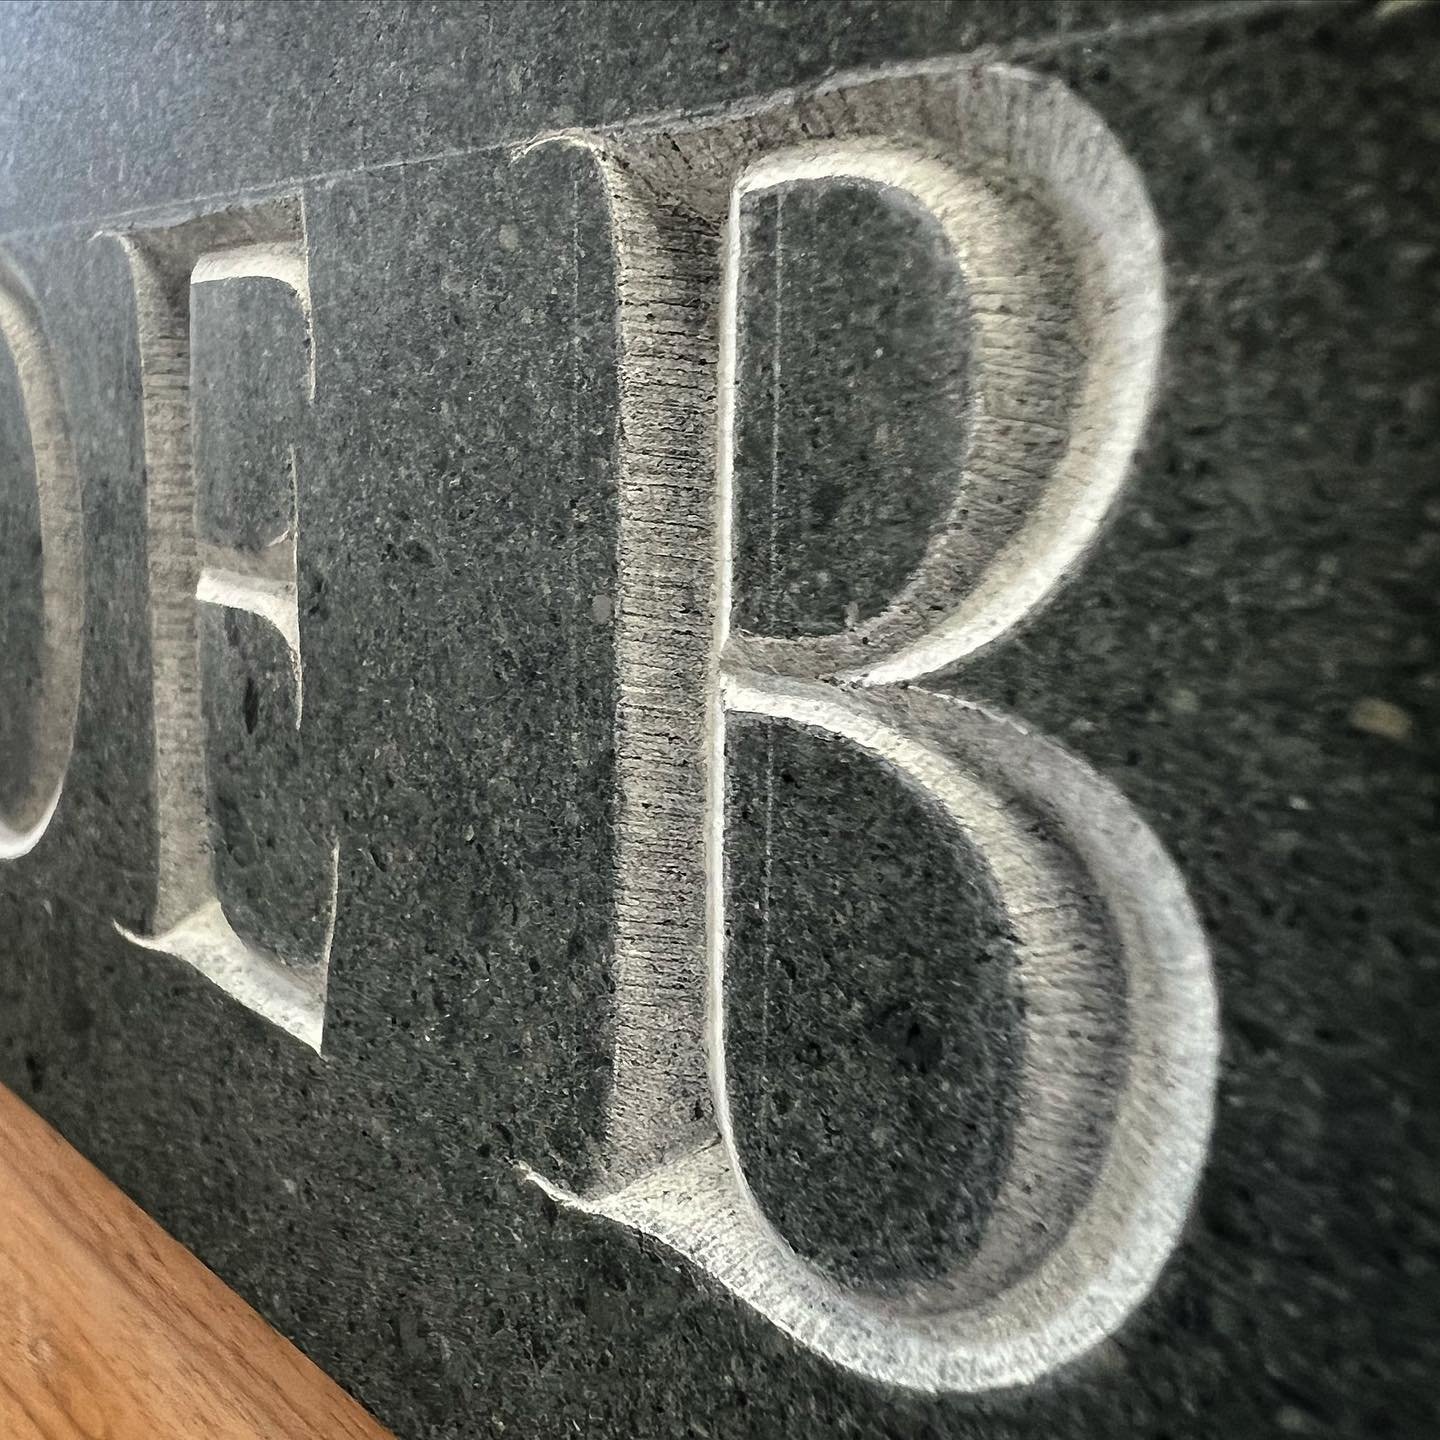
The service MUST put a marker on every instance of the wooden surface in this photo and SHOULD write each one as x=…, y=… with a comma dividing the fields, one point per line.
x=110, y=1330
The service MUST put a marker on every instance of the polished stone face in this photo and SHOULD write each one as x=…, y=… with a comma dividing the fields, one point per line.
x=598, y=682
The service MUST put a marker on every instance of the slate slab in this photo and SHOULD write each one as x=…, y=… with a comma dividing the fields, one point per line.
x=1247, y=654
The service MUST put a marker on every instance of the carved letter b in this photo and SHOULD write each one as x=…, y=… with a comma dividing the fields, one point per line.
x=1031, y=194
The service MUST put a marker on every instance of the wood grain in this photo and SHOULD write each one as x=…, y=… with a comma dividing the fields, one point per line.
x=111, y=1330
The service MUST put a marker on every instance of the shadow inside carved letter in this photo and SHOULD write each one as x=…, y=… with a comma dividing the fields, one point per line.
x=876, y=1025
x=851, y=406
x=271, y=844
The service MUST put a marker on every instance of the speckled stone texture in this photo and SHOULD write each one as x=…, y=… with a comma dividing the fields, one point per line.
x=1249, y=654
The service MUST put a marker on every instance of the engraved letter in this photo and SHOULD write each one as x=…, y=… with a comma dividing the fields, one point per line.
x=29, y=795
x=1050, y=228
x=188, y=569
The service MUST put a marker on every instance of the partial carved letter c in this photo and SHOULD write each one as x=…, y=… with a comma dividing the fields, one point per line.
x=62, y=586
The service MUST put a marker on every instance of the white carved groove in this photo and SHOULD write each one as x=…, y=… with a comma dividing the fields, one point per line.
x=62, y=574
x=268, y=243
x=290, y=998
x=1050, y=227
